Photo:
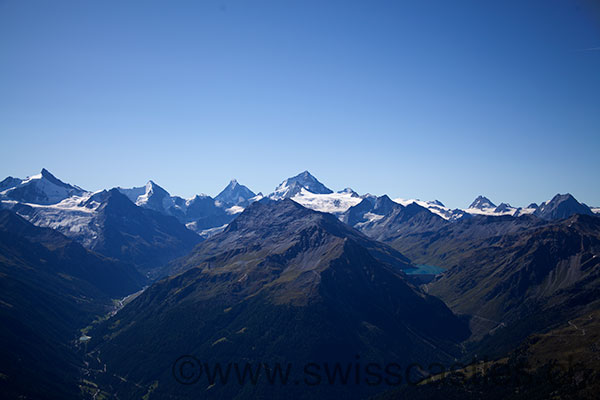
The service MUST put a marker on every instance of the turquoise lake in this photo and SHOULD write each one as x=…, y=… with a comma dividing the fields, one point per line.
x=423, y=269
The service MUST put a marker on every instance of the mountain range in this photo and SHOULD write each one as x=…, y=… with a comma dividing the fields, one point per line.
x=69, y=208
x=102, y=291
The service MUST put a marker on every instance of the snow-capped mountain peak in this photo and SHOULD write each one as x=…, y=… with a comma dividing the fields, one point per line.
x=152, y=189
x=305, y=189
x=482, y=203
x=235, y=194
x=150, y=196
x=294, y=185
x=155, y=197
x=43, y=188
x=45, y=174
x=562, y=206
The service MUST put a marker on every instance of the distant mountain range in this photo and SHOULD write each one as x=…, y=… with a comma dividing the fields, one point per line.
x=152, y=223
x=55, y=200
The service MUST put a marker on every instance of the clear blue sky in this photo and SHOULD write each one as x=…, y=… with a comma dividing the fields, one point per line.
x=428, y=99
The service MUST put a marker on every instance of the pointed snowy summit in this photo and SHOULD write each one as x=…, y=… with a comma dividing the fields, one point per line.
x=142, y=194
x=481, y=203
x=155, y=198
x=43, y=188
x=235, y=194
x=294, y=185
x=150, y=196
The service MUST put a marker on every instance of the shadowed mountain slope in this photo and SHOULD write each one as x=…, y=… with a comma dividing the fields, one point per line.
x=281, y=283
x=50, y=287
x=529, y=281
x=141, y=236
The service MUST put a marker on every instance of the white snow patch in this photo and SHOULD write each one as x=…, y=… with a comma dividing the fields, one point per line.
x=32, y=178
x=372, y=217
x=234, y=210
x=67, y=218
x=258, y=197
x=334, y=203
x=526, y=211
x=491, y=211
x=441, y=211
x=205, y=233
